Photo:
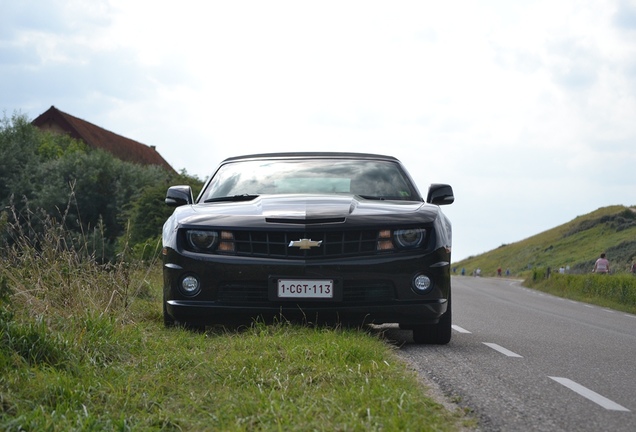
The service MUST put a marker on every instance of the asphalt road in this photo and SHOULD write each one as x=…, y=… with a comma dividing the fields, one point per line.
x=522, y=360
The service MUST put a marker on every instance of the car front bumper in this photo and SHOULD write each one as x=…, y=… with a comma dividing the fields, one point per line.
x=372, y=289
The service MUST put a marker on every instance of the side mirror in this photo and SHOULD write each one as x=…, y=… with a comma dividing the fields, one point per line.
x=440, y=194
x=179, y=195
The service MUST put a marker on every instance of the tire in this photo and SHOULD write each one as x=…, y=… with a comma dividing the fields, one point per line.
x=436, y=334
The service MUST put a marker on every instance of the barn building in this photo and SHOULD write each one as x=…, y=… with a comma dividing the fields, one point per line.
x=122, y=148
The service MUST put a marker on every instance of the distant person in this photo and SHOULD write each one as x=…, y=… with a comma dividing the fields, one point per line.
x=463, y=271
x=499, y=272
x=601, y=265
x=562, y=270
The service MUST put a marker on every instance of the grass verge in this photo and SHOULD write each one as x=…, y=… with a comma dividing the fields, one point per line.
x=615, y=291
x=83, y=347
x=94, y=373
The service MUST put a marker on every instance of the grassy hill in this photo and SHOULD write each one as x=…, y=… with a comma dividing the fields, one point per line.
x=576, y=244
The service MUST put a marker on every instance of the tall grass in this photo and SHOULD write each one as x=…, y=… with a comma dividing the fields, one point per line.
x=55, y=271
x=53, y=282
x=616, y=291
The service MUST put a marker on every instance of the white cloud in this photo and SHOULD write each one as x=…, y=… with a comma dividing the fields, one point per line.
x=525, y=107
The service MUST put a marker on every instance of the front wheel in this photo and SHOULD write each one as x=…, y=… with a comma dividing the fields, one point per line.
x=438, y=334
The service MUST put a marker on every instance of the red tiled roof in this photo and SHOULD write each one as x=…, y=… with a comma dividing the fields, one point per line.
x=121, y=147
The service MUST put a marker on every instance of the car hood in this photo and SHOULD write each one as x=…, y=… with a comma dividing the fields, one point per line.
x=303, y=209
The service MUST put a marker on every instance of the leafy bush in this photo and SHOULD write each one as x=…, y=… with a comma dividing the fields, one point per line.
x=619, y=222
x=109, y=198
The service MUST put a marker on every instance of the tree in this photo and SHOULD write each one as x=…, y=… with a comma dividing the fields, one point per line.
x=90, y=191
x=149, y=211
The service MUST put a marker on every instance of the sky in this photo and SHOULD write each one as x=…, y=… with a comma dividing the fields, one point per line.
x=527, y=108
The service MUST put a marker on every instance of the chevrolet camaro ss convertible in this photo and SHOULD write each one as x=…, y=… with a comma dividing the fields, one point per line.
x=316, y=237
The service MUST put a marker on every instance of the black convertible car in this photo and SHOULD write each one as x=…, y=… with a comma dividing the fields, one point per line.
x=317, y=237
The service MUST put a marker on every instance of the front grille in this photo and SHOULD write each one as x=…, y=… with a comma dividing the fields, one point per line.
x=367, y=292
x=354, y=292
x=275, y=244
x=244, y=293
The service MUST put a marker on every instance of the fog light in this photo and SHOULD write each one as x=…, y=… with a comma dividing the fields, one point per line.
x=190, y=286
x=422, y=283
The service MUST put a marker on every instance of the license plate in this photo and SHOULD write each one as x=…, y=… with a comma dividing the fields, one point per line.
x=304, y=288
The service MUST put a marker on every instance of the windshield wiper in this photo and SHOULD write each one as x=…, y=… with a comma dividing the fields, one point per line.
x=242, y=197
x=386, y=198
x=371, y=197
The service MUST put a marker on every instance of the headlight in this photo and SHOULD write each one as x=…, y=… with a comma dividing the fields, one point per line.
x=202, y=240
x=409, y=238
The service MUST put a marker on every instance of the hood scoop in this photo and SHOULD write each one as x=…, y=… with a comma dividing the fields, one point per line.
x=307, y=210
x=309, y=221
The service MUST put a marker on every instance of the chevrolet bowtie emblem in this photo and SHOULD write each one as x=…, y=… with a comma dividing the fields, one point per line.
x=305, y=243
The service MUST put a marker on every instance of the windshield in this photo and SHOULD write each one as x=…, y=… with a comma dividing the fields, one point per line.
x=368, y=179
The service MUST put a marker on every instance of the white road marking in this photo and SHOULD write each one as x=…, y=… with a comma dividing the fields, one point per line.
x=502, y=350
x=589, y=394
x=459, y=329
